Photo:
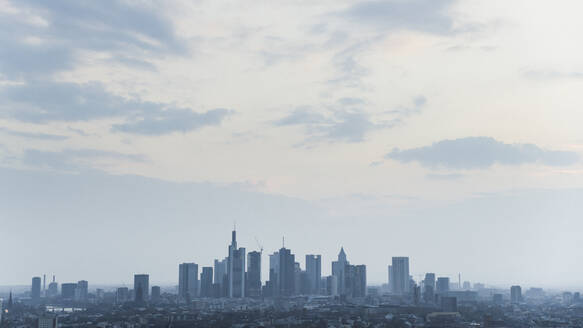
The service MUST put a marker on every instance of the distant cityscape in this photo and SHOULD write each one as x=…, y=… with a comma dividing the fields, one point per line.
x=234, y=285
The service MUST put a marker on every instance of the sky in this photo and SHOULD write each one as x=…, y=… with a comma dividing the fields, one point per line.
x=135, y=134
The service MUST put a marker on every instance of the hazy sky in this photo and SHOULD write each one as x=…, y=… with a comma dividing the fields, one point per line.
x=134, y=133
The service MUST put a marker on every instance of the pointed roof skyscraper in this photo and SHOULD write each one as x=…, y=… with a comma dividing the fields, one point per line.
x=341, y=255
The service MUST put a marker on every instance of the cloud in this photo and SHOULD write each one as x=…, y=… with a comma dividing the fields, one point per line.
x=40, y=102
x=481, y=153
x=429, y=16
x=61, y=28
x=336, y=126
x=33, y=135
x=73, y=159
x=348, y=123
x=552, y=75
x=447, y=177
x=418, y=103
x=176, y=120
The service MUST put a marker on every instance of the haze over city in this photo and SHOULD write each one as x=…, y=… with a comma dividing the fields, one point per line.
x=135, y=134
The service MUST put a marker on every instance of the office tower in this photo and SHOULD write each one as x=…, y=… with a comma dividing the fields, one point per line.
x=82, y=291
x=297, y=279
x=206, y=282
x=44, y=285
x=187, y=281
x=122, y=295
x=442, y=285
x=448, y=303
x=498, y=299
x=141, y=288
x=35, y=289
x=155, y=296
x=338, y=268
x=390, y=281
x=429, y=288
x=400, y=275
x=273, y=286
x=68, y=291
x=314, y=272
x=467, y=285
x=304, y=282
x=236, y=268
x=53, y=290
x=286, y=275
x=253, y=274
x=358, y=281
x=515, y=294
x=332, y=285
x=221, y=279
x=576, y=297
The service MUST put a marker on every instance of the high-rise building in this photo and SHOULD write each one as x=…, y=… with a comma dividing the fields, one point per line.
x=356, y=276
x=442, y=285
x=286, y=277
x=273, y=283
x=53, y=290
x=141, y=288
x=400, y=275
x=187, y=281
x=82, y=291
x=68, y=291
x=236, y=269
x=206, y=282
x=338, y=268
x=314, y=272
x=156, y=294
x=332, y=285
x=221, y=280
x=467, y=285
x=253, y=274
x=390, y=280
x=122, y=295
x=35, y=289
x=429, y=288
x=515, y=294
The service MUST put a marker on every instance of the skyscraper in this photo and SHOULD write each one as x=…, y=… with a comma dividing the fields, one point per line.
x=515, y=294
x=429, y=288
x=35, y=289
x=314, y=272
x=400, y=275
x=122, y=295
x=53, y=288
x=236, y=269
x=187, y=281
x=338, y=268
x=68, y=291
x=358, y=280
x=286, y=274
x=141, y=288
x=273, y=274
x=253, y=274
x=82, y=291
x=442, y=285
x=155, y=294
x=221, y=280
x=206, y=282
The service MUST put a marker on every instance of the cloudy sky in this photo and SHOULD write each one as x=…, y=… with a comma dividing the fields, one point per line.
x=134, y=133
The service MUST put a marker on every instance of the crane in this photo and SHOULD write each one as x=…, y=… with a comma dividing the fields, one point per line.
x=259, y=245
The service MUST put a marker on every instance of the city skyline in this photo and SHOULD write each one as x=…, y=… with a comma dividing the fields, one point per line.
x=190, y=278
x=133, y=133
